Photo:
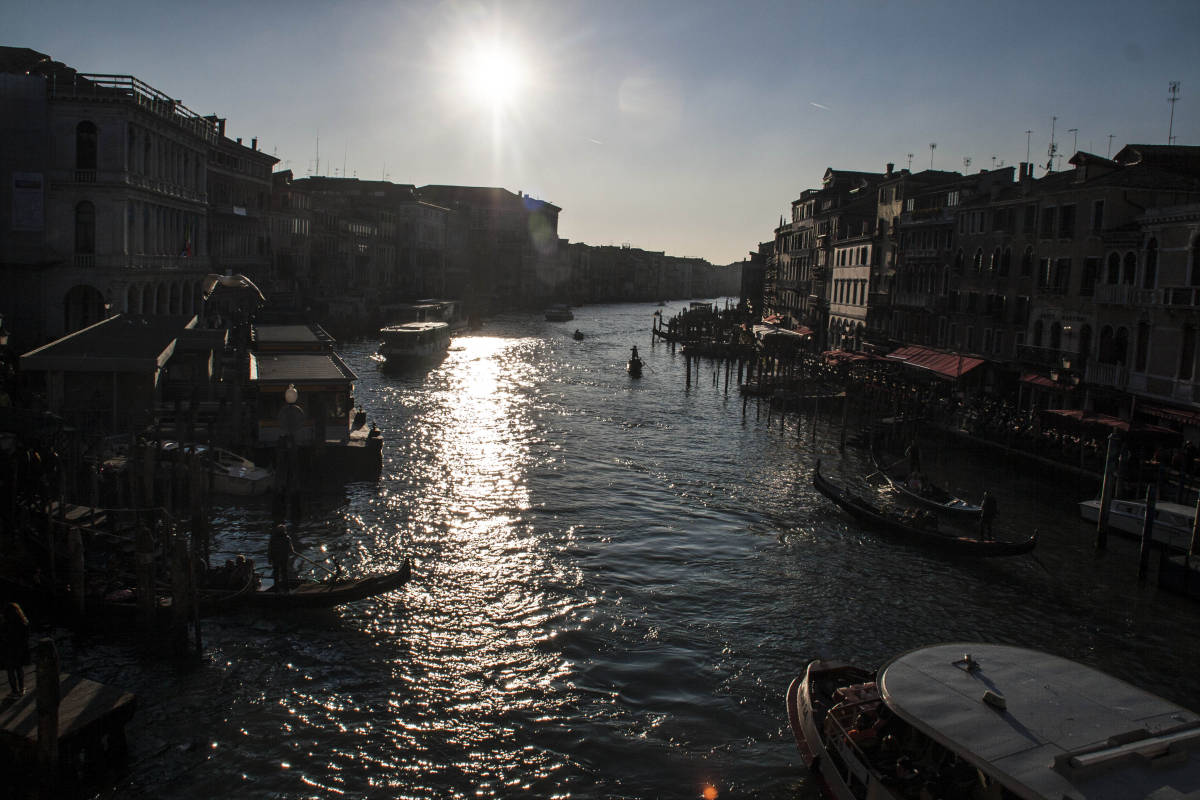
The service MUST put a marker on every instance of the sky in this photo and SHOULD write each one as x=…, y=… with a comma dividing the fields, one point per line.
x=687, y=126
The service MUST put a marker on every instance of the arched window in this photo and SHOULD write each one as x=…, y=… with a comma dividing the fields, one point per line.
x=1027, y=262
x=1142, y=346
x=1114, y=269
x=1055, y=336
x=977, y=262
x=1121, y=345
x=1150, y=275
x=85, y=228
x=1105, y=356
x=1005, y=261
x=1037, y=333
x=958, y=263
x=1129, y=270
x=994, y=266
x=85, y=145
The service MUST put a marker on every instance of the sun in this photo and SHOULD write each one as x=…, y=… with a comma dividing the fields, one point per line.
x=494, y=75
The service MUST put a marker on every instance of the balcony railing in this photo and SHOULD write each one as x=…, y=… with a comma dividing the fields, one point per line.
x=128, y=89
x=1046, y=356
x=1118, y=294
x=1181, y=296
x=1114, y=375
x=85, y=176
x=1164, y=388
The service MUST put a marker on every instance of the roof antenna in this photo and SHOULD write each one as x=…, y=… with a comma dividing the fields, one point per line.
x=1052, y=150
x=1174, y=90
x=909, y=164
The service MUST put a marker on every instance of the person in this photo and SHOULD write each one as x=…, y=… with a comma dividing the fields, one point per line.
x=15, y=636
x=633, y=354
x=987, y=513
x=279, y=551
x=914, y=457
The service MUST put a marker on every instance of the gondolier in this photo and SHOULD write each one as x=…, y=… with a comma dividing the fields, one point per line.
x=987, y=513
x=279, y=551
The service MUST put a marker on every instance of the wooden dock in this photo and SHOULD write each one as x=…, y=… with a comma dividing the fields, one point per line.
x=91, y=731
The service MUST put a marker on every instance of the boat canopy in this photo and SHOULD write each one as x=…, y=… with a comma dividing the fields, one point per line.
x=1045, y=726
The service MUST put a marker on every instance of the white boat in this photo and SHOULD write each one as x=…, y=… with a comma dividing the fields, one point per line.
x=990, y=722
x=230, y=473
x=559, y=313
x=1172, y=521
x=414, y=342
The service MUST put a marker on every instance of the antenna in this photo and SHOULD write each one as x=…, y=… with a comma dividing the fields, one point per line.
x=1174, y=98
x=317, y=171
x=1110, y=138
x=966, y=163
x=1027, y=135
x=932, y=147
x=1075, y=141
x=994, y=161
x=1052, y=150
x=909, y=164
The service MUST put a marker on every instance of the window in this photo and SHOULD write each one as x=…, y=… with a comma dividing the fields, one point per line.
x=1030, y=222
x=1097, y=215
x=1027, y=262
x=85, y=145
x=1066, y=222
x=1047, y=227
x=952, y=199
x=958, y=264
x=1113, y=276
x=1150, y=275
x=909, y=204
x=994, y=264
x=1044, y=273
x=85, y=228
x=977, y=262
x=1005, y=261
x=1091, y=273
x=1037, y=333
x=1062, y=274
x=1129, y=269
x=1187, y=352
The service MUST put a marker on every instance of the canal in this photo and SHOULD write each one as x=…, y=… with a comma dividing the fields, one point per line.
x=615, y=581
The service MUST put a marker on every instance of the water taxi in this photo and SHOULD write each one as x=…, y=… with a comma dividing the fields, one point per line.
x=414, y=342
x=559, y=313
x=990, y=722
x=1172, y=521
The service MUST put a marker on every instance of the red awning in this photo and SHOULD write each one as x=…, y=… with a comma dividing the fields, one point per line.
x=772, y=319
x=1180, y=415
x=804, y=330
x=946, y=365
x=1104, y=420
x=1033, y=379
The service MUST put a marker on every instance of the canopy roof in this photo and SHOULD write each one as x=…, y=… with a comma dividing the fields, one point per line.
x=941, y=363
x=1045, y=726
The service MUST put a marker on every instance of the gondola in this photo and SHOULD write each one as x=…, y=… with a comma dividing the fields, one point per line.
x=917, y=530
x=635, y=367
x=320, y=594
x=929, y=495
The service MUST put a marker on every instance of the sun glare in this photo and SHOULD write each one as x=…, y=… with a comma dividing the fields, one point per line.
x=493, y=75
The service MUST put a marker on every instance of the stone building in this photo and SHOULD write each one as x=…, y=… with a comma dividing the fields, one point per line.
x=106, y=208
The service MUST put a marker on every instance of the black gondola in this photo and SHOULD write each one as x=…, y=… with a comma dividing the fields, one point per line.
x=320, y=594
x=918, y=531
x=929, y=495
x=634, y=365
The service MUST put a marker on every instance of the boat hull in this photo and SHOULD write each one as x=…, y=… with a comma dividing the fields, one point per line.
x=962, y=545
x=1172, y=523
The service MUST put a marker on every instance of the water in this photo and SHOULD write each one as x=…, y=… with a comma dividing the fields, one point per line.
x=615, y=581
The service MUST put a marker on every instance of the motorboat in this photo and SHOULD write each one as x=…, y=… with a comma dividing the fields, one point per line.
x=559, y=313
x=918, y=528
x=414, y=342
x=1172, y=521
x=230, y=473
x=976, y=721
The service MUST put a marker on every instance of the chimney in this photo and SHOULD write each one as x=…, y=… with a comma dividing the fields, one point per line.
x=239, y=140
x=890, y=167
x=1021, y=170
x=254, y=143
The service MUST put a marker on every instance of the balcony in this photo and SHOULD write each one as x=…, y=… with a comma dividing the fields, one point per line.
x=1162, y=388
x=1046, y=356
x=1110, y=294
x=1181, y=296
x=1114, y=375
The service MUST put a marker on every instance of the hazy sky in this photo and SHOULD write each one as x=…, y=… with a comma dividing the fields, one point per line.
x=685, y=126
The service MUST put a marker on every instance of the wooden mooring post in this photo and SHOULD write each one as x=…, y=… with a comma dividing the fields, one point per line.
x=48, y=697
x=1107, y=488
x=1147, y=531
x=1194, y=547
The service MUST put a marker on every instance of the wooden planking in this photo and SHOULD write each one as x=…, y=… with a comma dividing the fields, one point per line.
x=83, y=704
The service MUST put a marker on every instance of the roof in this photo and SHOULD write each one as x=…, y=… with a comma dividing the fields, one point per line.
x=121, y=343
x=945, y=365
x=481, y=196
x=1059, y=729
x=280, y=369
x=291, y=337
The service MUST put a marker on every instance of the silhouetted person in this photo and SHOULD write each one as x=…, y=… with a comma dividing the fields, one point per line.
x=987, y=513
x=279, y=551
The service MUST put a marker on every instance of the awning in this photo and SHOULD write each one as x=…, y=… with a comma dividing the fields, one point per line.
x=945, y=365
x=1082, y=417
x=1180, y=415
x=1033, y=379
x=804, y=330
x=846, y=356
